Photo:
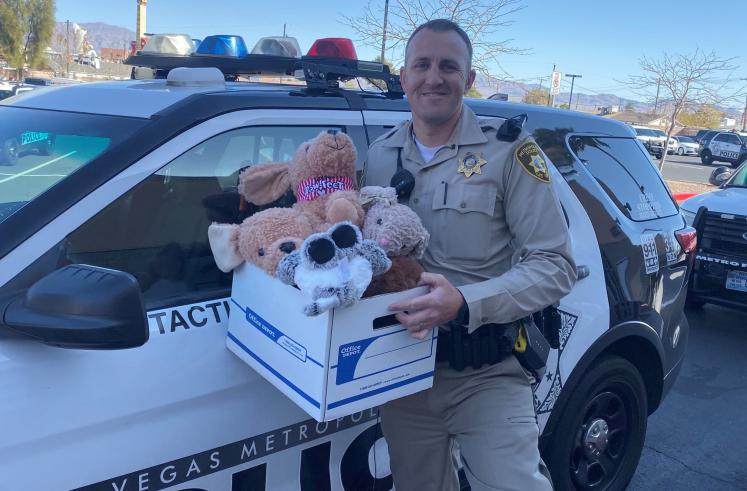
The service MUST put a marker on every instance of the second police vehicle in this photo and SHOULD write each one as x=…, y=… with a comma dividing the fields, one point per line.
x=113, y=314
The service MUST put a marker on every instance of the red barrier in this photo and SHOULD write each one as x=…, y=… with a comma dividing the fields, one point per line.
x=680, y=197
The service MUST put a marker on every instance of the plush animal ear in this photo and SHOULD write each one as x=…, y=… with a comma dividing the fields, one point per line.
x=345, y=235
x=421, y=246
x=370, y=195
x=321, y=250
x=263, y=184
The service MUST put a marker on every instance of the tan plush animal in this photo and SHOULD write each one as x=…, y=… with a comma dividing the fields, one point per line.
x=262, y=239
x=322, y=177
x=398, y=230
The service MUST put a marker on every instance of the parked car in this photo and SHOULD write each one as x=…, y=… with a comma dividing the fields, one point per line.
x=724, y=146
x=684, y=145
x=719, y=274
x=651, y=141
x=138, y=177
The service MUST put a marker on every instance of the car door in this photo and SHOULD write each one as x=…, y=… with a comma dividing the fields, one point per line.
x=717, y=144
x=730, y=146
x=180, y=411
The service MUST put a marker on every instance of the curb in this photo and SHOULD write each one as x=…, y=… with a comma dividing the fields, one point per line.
x=680, y=197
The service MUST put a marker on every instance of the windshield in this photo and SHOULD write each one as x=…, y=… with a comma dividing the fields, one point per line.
x=685, y=139
x=739, y=179
x=644, y=132
x=40, y=148
x=659, y=133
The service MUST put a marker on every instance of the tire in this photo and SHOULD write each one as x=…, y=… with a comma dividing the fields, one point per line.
x=706, y=157
x=680, y=151
x=611, y=395
x=9, y=152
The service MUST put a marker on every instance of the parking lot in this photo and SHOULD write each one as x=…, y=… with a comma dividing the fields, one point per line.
x=688, y=169
x=696, y=440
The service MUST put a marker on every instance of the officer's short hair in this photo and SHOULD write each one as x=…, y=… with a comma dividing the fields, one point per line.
x=442, y=25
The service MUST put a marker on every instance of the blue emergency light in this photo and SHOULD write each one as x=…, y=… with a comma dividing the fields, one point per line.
x=223, y=45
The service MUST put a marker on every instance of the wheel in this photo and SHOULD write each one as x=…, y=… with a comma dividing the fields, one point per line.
x=706, y=157
x=9, y=152
x=680, y=151
x=599, y=437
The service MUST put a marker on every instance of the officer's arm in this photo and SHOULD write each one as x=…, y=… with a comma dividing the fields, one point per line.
x=543, y=269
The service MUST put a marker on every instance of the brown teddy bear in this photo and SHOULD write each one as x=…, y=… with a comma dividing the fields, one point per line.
x=262, y=239
x=398, y=230
x=321, y=176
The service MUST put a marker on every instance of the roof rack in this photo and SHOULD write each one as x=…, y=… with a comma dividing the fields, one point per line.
x=319, y=73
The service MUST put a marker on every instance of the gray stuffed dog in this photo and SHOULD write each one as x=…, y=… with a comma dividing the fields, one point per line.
x=333, y=268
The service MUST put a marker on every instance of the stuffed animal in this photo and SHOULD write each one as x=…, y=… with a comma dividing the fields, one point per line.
x=321, y=176
x=399, y=231
x=262, y=239
x=333, y=268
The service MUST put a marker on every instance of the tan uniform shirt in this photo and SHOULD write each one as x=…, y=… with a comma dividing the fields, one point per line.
x=498, y=232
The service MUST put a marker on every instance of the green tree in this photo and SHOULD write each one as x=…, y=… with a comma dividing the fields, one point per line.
x=704, y=117
x=538, y=97
x=380, y=83
x=473, y=92
x=26, y=28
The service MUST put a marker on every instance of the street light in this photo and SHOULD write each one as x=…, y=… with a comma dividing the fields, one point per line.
x=573, y=79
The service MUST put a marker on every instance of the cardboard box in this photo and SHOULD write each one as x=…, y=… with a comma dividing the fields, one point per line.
x=343, y=361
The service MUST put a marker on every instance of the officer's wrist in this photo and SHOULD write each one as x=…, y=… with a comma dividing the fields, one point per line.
x=462, y=317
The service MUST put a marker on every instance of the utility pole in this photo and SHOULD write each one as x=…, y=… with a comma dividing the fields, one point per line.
x=744, y=113
x=550, y=97
x=656, y=102
x=67, y=54
x=383, y=36
x=573, y=80
x=284, y=29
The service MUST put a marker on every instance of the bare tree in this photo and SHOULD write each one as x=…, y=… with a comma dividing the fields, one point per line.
x=482, y=21
x=686, y=81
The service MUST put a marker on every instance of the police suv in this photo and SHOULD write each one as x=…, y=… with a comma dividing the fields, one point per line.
x=113, y=361
x=720, y=217
x=724, y=147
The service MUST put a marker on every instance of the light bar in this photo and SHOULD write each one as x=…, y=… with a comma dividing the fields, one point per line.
x=333, y=48
x=277, y=46
x=223, y=45
x=168, y=44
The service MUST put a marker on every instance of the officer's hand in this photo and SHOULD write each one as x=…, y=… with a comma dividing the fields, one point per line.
x=439, y=306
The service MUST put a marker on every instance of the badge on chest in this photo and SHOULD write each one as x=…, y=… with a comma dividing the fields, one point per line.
x=471, y=164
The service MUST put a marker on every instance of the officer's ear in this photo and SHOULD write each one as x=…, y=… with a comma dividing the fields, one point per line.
x=470, y=80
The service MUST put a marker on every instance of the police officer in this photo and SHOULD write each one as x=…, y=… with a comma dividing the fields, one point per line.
x=499, y=251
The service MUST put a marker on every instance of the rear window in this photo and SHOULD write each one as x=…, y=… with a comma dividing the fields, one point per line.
x=627, y=175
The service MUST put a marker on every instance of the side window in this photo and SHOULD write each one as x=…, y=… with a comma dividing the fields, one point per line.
x=626, y=174
x=732, y=138
x=157, y=231
x=720, y=138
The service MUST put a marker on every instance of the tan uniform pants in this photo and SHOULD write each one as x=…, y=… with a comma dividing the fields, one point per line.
x=488, y=413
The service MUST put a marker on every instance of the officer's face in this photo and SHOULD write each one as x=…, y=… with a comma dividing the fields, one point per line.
x=436, y=75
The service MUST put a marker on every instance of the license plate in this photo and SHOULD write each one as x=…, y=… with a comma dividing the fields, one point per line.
x=736, y=280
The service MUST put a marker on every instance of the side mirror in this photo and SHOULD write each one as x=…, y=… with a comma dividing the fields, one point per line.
x=80, y=306
x=719, y=176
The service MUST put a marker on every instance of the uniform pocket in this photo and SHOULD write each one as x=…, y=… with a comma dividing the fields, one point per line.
x=462, y=220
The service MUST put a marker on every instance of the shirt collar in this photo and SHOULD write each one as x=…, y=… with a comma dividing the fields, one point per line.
x=467, y=132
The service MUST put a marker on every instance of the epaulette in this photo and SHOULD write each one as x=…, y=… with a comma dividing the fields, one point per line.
x=511, y=128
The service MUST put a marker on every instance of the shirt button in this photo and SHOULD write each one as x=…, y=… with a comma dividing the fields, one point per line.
x=415, y=201
x=462, y=205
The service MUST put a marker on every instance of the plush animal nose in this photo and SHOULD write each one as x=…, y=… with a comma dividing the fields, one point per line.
x=383, y=242
x=287, y=247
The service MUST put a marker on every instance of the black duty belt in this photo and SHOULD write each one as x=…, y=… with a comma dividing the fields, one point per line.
x=487, y=345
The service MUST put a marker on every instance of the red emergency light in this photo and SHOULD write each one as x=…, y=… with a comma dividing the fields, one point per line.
x=333, y=48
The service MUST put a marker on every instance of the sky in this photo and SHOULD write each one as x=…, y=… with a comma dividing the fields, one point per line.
x=602, y=40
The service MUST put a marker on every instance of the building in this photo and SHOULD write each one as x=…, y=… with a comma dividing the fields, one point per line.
x=114, y=54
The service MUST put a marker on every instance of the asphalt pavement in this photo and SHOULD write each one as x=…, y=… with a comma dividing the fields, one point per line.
x=689, y=169
x=697, y=440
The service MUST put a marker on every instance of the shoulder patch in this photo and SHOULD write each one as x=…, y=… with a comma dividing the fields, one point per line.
x=530, y=157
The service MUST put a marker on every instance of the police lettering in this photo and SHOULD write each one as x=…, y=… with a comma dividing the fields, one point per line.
x=190, y=316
